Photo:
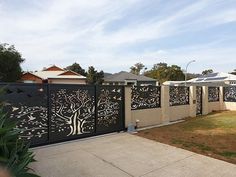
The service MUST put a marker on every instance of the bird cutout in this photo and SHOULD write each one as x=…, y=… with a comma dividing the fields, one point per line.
x=119, y=98
x=114, y=90
x=31, y=117
x=14, y=109
x=118, y=90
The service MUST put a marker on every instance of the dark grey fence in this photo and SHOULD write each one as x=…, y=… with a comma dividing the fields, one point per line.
x=59, y=112
x=229, y=94
x=145, y=97
x=213, y=94
x=179, y=95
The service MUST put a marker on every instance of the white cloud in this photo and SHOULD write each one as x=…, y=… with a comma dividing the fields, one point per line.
x=60, y=32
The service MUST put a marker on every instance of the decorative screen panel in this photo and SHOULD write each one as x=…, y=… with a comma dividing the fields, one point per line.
x=230, y=94
x=213, y=94
x=27, y=104
x=199, y=100
x=179, y=95
x=145, y=97
x=110, y=111
x=72, y=111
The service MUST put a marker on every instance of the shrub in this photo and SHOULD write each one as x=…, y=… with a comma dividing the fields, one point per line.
x=14, y=152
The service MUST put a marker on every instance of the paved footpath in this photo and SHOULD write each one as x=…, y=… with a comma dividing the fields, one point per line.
x=125, y=155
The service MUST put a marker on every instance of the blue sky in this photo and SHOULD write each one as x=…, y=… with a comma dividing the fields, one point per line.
x=113, y=35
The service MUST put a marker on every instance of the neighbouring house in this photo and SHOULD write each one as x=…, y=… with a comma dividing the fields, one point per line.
x=55, y=75
x=126, y=78
x=219, y=78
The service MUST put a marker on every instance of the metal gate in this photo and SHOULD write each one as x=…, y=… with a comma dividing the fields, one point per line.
x=199, y=100
x=60, y=112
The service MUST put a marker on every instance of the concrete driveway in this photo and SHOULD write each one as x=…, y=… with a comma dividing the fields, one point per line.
x=125, y=155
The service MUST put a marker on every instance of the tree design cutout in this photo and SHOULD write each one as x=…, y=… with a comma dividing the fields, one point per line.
x=179, y=95
x=72, y=112
x=31, y=120
x=108, y=106
x=145, y=97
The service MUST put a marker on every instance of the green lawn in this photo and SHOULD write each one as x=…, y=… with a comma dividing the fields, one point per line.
x=212, y=135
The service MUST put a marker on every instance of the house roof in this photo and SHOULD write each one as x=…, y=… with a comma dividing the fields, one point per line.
x=57, y=73
x=123, y=75
x=53, y=68
x=211, y=78
x=214, y=77
x=67, y=77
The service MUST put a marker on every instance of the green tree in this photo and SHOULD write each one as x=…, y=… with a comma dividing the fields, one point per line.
x=10, y=60
x=94, y=77
x=162, y=72
x=76, y=68
x=207, y=71
x=192, y=75
x=136, y=69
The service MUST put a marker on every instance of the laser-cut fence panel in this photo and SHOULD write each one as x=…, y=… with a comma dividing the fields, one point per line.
x=178, y=95
x=27, y=104
x=213, y=94
x=145, y=97
x=199, y=100
x=230, y=94
x=72, y=111
x=110, y=108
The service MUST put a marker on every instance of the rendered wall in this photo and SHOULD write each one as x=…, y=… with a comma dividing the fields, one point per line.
x=213, y=106
x=179, y=112
x=229, y=106
x=147, y=117
x=167, y=113
x=30, y=77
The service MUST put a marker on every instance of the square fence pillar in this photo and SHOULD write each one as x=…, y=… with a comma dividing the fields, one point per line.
x=165, y=97
x=128, y=116
x=204, y=100
x=222, y=106
x=192, y=101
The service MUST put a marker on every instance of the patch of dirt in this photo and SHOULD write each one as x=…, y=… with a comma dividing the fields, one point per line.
x=216, y=131
x=218, y=143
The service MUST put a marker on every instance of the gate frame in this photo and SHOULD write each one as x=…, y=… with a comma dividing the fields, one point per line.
x=94, y=133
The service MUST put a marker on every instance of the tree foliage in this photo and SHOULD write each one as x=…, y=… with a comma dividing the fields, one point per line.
x=162, y=72
x=94, y=77
x=76, y=68
x=233, y=72
x=207, y=71
x=136, y=69
x=10, y=60
x=192, y=75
